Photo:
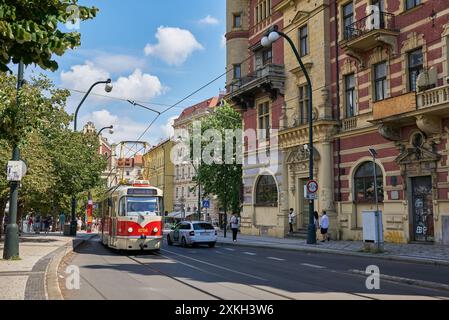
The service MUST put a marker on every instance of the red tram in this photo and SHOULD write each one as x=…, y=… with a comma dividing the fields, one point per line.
x=132, y=217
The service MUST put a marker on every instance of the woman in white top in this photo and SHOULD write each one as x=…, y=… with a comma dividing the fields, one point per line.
x=324, y=224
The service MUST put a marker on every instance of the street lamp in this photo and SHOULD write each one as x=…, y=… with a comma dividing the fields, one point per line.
x=108, y=88
x=111, y=130
x=272, y=35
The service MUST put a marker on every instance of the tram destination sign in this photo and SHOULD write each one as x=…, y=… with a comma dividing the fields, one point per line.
x=142, y=192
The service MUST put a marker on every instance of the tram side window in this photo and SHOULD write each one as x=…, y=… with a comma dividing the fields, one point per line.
x=122, y=210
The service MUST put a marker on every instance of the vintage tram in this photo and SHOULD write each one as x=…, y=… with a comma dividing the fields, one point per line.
x=132, y=217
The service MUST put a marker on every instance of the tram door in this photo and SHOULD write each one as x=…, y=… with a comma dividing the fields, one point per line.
x=113, y=225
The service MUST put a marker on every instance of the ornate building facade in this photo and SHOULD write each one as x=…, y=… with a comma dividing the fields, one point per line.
x=390, y=82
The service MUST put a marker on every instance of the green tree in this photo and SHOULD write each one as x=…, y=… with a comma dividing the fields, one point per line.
x=223, y=179
x=29, y=30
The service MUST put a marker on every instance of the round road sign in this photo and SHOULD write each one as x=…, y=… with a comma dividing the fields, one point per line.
x=312, y=186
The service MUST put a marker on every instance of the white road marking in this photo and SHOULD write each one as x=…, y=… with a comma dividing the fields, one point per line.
x=216, y=251
x=229, y=249
x=216, y=266
x=312, y=266
x=249, y=253
x=274, y=258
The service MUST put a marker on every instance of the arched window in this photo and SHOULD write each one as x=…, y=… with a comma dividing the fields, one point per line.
x=266, y=192
x=364, y=183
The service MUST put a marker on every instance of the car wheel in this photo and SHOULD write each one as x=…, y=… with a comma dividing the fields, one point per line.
x=170, y=243
x=183, y=242
x=211, y=244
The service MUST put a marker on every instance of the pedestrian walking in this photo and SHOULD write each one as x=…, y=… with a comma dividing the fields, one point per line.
x=324, y=225
x=291, y=219
x=234, y=227
x=80, y=223
x=61, y=221
x=316, y=222
x=37, y=223
x=46, y=225
x=29, y=223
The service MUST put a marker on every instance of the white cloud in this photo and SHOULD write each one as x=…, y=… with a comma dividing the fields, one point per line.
x=81, y=77
x=136, y=86
x=117, y=63
x=125, y=128
x=209, y=20
x=174, y=45
x=167, y=129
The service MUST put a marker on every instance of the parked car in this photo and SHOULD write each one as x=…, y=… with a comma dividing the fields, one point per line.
x=192, y=233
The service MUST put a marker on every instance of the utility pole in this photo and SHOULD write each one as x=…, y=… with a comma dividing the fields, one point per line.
x=11, y=249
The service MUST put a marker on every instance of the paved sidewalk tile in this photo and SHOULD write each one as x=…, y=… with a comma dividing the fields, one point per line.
x=25, y=278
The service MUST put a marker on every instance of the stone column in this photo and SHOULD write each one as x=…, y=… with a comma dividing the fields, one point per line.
x=326, y=190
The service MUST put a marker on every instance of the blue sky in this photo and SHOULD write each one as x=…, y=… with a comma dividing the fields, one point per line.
x=154, y=51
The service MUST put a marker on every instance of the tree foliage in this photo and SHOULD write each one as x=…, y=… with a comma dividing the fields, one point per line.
x=60, y=162
x=29, y=30
x=223, y=179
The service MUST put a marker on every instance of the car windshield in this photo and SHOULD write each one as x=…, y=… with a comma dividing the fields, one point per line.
x=203, y=226
x=147, y=206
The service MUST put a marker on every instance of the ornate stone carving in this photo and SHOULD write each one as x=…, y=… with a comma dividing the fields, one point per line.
x=414, y=40
x=301, y=154
x=390, y=132
x=429, y=124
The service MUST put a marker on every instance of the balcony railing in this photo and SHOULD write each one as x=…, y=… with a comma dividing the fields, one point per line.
x=433, y=97
x=349, y=124
x=264, y=74
x=373, y=21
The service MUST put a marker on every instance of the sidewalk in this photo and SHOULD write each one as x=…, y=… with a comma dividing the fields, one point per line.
x=28, y=278
x=421, y=253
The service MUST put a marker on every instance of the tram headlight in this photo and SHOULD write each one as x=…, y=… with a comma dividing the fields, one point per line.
x=155, y=230
x=130, y=230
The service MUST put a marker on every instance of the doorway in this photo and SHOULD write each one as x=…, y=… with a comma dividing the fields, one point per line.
x=303, y=205
x=422, y=209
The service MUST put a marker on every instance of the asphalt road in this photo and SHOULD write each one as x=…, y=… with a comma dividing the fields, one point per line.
x=239, y=273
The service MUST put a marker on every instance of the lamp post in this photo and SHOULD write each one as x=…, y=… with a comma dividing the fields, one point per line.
x=107, y=88
x=272, y=35
x=111, y=130
x=11, y=249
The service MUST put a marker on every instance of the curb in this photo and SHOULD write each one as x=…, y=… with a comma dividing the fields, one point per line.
x=344, y=253
x=420, y=283
x=51, y=274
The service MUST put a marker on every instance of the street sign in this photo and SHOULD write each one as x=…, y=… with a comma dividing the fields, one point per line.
x=16, y=170
x=206, y=204
x=312, y=186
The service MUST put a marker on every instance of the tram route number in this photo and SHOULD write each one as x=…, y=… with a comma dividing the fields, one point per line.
x=226, y=310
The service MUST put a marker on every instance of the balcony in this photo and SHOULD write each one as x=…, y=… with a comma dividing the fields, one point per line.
x=394, y=106
x=433, y=97
x=376, y=29
x=269, y=78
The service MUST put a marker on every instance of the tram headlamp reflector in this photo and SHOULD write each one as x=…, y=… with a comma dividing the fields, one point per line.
x=130, y=230
x=155, y=230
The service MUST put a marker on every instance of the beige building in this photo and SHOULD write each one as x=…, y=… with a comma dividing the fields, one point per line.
x=306, y=23
x=159, y=170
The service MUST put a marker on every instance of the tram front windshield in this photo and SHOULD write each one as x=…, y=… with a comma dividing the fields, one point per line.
x=146, y=206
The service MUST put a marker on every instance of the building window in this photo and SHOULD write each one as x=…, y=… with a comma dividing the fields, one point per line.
x=350, y=95
x=303, y=104
x=303, y=41
x=264, y=120
x=380, y=81
x=182, y=177
x=127, y=173
x=266, y=192
x=237, y=20
x=262, y=10
x=364, y=183
x=177, y=192
x=237, y=71
x=415, y=67
x=348, y=20
x=411, y=3
x=182, y=192
x=267, y=56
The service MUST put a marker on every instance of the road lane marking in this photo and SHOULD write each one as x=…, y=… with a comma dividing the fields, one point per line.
x=229, y=249
x=216, y=266
x=249, y=253
x=216, y=251
x=274, y=258
x=312, y=266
